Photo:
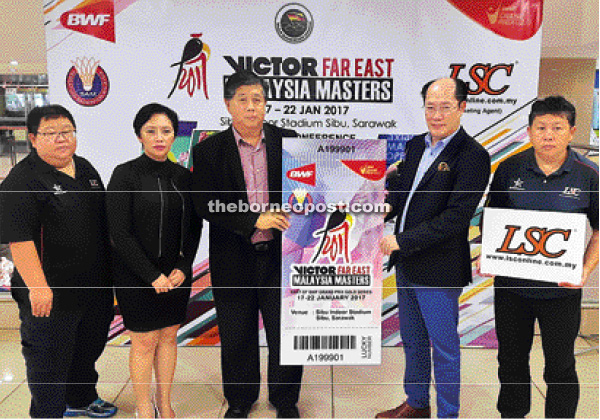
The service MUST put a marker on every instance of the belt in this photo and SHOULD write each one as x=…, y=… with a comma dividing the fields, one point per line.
x=263, y=246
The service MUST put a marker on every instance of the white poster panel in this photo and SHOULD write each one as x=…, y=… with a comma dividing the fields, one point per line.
x=331, y=264
x=346, y=70
x=535, y=245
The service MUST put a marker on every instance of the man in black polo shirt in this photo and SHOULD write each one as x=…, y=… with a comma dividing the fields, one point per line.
x=548, y=177
x=53, y=216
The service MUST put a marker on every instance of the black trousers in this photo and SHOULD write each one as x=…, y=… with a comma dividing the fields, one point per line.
x=237, y=316
x=60, y=354
x=559, y=321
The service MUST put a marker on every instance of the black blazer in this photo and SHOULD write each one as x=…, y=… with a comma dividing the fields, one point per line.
x=136, y=221
x=218, y=176
x=434, y=247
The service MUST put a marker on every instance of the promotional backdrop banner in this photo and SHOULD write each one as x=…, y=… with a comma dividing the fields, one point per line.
x=335, y=70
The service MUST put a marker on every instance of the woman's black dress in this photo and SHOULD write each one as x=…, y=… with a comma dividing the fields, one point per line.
x=153, y=230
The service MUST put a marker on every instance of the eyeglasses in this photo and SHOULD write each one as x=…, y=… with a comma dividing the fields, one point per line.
x=54, y=135
x=442, y=110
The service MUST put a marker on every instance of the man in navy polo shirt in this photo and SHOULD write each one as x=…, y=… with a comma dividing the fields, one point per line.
x=52, y=214
x=548, y=177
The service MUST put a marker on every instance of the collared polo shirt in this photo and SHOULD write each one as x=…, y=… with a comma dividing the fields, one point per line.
x=66, y=219
x=520, y=184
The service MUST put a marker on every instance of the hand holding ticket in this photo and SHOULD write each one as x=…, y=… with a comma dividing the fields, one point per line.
x=273, y=220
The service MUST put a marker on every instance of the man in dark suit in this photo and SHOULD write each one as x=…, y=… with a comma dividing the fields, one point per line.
x=241, y=167
x=434, y=195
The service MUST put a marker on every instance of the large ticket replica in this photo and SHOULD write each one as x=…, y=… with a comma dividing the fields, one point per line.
x=536, y=245
x=331, y=264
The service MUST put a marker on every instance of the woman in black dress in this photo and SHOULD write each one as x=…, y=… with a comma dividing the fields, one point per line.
x=155, y=235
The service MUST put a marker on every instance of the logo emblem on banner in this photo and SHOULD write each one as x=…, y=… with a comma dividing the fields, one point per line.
x=92, y=17
x=87, y=82
x=482, y=74
x=191, y=69
x=305, y=174
x=300, y=200
x=512, y=19
x=294, y=23
x=334, y=238
x=373, y=170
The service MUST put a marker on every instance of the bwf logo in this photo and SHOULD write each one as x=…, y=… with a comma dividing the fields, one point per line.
x=536, y=241
x=93, y=17
x=305, y=174
x=91, y=20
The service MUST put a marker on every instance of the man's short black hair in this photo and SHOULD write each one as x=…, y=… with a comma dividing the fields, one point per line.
x=39, y=113
x=148, y=111
x=461, y=90
x=243, y=78
x=555, y=105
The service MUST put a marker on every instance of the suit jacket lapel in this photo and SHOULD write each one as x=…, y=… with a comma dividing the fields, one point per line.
x=414, y=151
x=449, y=151
x=235, y=161
x=412, y=163
x=274, y=155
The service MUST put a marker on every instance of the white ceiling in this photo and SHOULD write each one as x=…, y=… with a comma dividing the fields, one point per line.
x=570, y=30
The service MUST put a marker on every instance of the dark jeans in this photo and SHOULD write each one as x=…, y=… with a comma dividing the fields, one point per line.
x=559, y=321
x=428, y=318
x=238, y=328
x=60, y=355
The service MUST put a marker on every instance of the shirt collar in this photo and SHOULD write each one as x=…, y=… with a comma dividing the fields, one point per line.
x=567, y=165
x=442, y=143
x=40, y=164
x=239, y=139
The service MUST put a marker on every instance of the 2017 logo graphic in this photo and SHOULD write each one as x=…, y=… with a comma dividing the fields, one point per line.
x=191, y=72
x=294, y=23
x=536, y=237
x=334, y=238
x=87, y=82
x=481, y=75
x=92, y=17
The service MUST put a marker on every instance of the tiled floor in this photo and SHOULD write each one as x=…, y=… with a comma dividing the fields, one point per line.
x=327, y=392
